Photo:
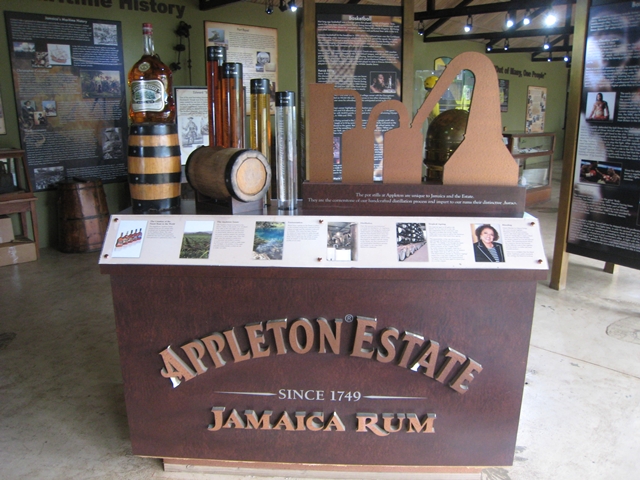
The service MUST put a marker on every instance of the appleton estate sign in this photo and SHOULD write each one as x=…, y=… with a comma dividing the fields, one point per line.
x=406, y=350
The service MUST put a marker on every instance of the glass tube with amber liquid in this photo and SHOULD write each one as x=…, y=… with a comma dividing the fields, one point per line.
x=232, y=106
x=260, y=123
x=216, y=56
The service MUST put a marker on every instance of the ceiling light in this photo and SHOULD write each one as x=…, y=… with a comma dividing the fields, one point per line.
x=469, y=25
x=283, y=6
x=269, y=8
x=292, y=5
x=566, y=58
x=506, y=44
x=550, y=57
x=421, y=28
x=508, y=21
x=546, y=45
x=489, y=47
x=527, y=18
x=550, y=19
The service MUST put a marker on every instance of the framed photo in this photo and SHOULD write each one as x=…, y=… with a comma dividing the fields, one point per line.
x=536, y=107
x=503, y=85
x=192, y=119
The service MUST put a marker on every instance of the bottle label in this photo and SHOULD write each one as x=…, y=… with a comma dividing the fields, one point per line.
x=144, y=66
x=147, y=96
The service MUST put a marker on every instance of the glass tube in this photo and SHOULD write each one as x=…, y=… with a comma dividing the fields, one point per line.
x=216, y=56
x=232, y=106
x=286, y=151
x=260, y=123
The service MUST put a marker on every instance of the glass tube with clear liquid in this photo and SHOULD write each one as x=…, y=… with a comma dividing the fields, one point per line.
x=286, y=150
x=260, y=126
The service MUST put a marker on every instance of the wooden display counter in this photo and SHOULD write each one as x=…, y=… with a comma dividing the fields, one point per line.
x=324, y=368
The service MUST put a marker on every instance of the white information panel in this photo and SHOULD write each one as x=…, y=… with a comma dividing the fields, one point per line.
x=325, y=241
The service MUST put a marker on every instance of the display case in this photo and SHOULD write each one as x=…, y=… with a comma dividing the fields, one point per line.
x=534, y=154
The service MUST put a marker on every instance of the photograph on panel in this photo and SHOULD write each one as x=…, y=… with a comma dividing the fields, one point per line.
x=600, y=173
x=268, y=241
x=129, y=239
x=600, y=106
x=411, y=242
x=196, y=239
x=486, y=243
x=341, y=242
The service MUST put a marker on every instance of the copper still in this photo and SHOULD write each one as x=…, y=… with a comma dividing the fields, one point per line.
x=444, y=135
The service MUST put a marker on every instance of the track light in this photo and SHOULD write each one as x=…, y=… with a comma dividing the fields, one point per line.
x=489, y=47
x=292, y=5
x=508, y=21
x=469, y=26
x=550, y=19
x=550, y=57
x=506, y=44
x=546, y=45
x=269, y=8
x=283, y=6
x=566, y=58
x=527, y=18
x=421, y=28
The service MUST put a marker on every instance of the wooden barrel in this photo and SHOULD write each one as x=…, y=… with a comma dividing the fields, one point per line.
x=154, y=167
x=83, y=215
x=221, y=173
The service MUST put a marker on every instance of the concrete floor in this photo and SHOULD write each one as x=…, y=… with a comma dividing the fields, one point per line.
x=62, y=412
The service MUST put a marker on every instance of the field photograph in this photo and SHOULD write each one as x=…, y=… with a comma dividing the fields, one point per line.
x=196, y=239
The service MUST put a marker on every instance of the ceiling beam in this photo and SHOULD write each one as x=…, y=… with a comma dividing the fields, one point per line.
x=540, y=32
x=209, y=4
x=489, y=8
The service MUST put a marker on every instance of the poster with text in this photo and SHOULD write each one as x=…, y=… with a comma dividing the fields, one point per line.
x=536, y=108
x=605, y=221
x=256, y=48
x=359, y=48
x=69, y=82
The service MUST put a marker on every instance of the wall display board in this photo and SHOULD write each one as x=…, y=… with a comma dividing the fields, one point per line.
x=192, y=119
x=256, y=48
x=536, y=107
x=605, y=215
x=359, y=48
x=308, y=341
x=69, y=83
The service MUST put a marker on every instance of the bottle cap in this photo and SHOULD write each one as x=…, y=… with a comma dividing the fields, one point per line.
x=232, y=70
x=285, y=99
x=217, y=53
x=259, y=85
x=147, y=29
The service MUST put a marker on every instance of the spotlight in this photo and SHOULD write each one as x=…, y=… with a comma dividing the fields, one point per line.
x=469, y=25
x=508, y=21
x=269, y=8
x=550, y=57
x=506, y=44
x=566, y=58
x=489, y=47
x=546, y=45
x=292, y=5
x=421, y=28
x=550, y=19
x=283, y=6
x=527, y=18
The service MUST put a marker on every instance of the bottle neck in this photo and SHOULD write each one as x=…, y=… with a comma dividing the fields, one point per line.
x=148, y=44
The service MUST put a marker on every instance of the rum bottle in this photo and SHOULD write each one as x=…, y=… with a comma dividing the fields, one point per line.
x=150, y=84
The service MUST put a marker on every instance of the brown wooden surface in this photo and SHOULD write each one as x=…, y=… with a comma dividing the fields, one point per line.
x=484, y=314
x=83, y=216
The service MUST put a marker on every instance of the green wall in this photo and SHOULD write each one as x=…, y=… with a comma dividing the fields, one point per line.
x=555, y=77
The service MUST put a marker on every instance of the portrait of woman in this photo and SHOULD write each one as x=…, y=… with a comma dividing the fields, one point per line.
x=487, y=248
x=600, y=109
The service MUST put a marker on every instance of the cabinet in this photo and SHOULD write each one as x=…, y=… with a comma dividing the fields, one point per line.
x=534, y=154
x=16, y=197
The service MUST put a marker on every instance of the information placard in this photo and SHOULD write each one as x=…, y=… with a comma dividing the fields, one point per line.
x=605, y=221
x=325, y=241
x=69, y=82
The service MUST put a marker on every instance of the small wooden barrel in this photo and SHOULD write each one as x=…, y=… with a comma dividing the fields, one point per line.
x=221, y=173
x=83, y=215
x=154, y=167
